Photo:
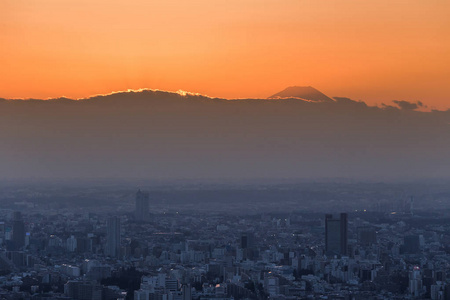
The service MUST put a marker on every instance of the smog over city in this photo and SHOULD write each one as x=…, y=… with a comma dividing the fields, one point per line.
x=224, y=150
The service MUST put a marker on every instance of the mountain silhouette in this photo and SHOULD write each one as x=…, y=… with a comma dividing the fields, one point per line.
x=156, y=134
x=302, y=92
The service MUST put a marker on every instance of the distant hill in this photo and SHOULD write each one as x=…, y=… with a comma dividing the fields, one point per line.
x=302, y=92
x=163, y=135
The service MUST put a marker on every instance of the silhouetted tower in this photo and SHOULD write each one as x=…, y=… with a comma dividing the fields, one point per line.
x=142, y=206
x=336, y=234
x=247, y=240
x=247, y=245
x=113, y=236
x=18, y=231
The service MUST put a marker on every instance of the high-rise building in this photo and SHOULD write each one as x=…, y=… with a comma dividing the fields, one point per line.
x=171, y=284
x=83, y=290
x=336, y=235
x=415, y=282
x=113, y=236
x=247, y=245
x=18, y=231
x=2, y=232
x=246, y=240
x=142, y=206
x=186, y=292
x=71, y=244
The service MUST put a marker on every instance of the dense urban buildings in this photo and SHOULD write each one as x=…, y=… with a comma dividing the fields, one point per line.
x=183, y=252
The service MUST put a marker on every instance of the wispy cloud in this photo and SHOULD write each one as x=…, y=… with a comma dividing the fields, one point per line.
x=407, y=105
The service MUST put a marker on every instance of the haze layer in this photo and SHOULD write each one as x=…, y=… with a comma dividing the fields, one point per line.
x=154, y=134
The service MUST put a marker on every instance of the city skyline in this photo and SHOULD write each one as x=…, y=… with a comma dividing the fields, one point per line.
x=224, y=150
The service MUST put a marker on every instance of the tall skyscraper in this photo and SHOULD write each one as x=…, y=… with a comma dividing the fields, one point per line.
x=247, y=243
x=2, y=232
x=142, y=206
x=113, y=236
x=246, y=240
x=18, y=231
x=336, y=235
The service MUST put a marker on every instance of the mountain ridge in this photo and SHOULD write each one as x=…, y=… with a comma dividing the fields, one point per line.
x=155, y=95
x=302, y=92
x=158, y=134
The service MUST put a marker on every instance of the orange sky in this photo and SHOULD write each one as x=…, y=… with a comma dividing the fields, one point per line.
x=375, y=51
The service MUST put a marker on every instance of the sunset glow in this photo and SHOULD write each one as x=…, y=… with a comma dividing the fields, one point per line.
x=376, y=51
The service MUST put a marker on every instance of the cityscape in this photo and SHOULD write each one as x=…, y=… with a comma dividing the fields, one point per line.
x=224, y=150
x=146, y=249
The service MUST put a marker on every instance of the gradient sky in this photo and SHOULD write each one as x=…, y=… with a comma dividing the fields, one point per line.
x=375, y=51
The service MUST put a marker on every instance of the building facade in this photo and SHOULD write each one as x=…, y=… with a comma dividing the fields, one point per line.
x=336, y=234
x=113, y=237
x=142, y=206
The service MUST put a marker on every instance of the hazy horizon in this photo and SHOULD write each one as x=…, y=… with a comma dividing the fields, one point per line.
x=224, y=149
x=152, y=134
